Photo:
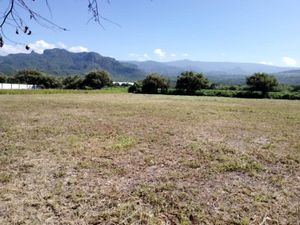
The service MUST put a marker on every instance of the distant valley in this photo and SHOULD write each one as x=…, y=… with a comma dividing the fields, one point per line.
x=220, y=72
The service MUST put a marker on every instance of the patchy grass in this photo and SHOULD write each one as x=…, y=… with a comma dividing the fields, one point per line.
x=243, y=165
x=5, y=177
x=121, y=143
x=77, y=158
x=106, y=90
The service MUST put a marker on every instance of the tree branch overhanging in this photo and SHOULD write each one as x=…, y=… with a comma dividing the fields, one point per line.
x=11, y=17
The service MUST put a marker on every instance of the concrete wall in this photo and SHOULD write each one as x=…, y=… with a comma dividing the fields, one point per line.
x=4, y=86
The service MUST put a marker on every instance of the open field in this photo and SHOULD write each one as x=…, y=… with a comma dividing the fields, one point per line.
x=107, y=90
x=145, y=159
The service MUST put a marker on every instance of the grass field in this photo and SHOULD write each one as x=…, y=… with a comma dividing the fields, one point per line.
x=142, y=159
x=107, y=90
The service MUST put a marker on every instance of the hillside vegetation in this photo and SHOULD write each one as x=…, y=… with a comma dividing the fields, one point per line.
x=148, y=159
x=60, y=62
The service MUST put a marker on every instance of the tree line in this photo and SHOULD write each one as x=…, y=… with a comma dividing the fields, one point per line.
x=188, y=83
x=93, y=80
x=191, y=83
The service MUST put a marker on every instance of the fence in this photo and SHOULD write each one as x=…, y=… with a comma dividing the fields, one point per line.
x=5, y=86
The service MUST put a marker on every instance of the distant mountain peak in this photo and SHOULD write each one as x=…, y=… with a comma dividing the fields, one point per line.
x=61, y=62
x=223, y=72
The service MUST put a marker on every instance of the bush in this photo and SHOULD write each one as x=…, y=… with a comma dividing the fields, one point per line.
x=283, y=88
x=37, y=78
x=296, y=88
x=73, y=82
x=136, y=87
x=2, y=78
x=234, y=88
x=154, y=83
x=285, y=95
x=190, y=82
x=262, y=82
x=97, y=80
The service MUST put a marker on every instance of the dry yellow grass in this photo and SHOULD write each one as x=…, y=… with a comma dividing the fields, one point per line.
x=141, y=159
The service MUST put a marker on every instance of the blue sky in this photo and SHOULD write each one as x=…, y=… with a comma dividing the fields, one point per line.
x=265, y=31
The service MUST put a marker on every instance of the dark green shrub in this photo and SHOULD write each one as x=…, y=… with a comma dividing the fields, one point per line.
x=37, y=78
x=248, y=94
x=136, y=87
x=296, y=88
x=2, y=78
x=234, y=88
x=155, y=83
x=262, y=82
x=190, y=82
x=73, y=82
x=285, y=95
x=213, y=86
x=97, y=80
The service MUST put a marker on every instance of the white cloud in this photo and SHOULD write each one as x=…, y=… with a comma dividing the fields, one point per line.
x=288, y=61
x=61, y=45
x=146, y=56
x=267, y=63
x=78, y=49
x=39, y=47
x=185, y=54
x=160, y=53
x=10, y=49
x=173, y=55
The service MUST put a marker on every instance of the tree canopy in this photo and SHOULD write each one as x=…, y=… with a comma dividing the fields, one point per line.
x=153, y=83
x=97, y=80
x=262, y=82
x=2, y=78
x=73, y=82
x=189, y=82
x=37, y=78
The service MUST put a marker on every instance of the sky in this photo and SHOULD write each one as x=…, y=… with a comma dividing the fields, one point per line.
x=258, y=31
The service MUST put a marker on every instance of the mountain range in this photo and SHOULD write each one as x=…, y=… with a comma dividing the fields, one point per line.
x=220, y=72
x=61, y=62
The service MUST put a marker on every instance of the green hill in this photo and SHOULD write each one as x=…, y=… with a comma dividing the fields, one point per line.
x=60, y=62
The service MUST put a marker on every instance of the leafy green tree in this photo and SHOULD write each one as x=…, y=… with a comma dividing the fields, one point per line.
x=189, y=82
x=97, y=80
x=28, y=77
x=154, y=83
x=73, y=82
x=296, y=88
x=262, y=82
x=136, y=87
x=2, y=78
x=35, y=77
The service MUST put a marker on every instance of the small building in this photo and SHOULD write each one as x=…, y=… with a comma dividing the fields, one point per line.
x=5, y=86
x=121, y=83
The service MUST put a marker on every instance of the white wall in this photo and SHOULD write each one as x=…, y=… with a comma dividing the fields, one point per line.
x=16, y=86
x=120, y=83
